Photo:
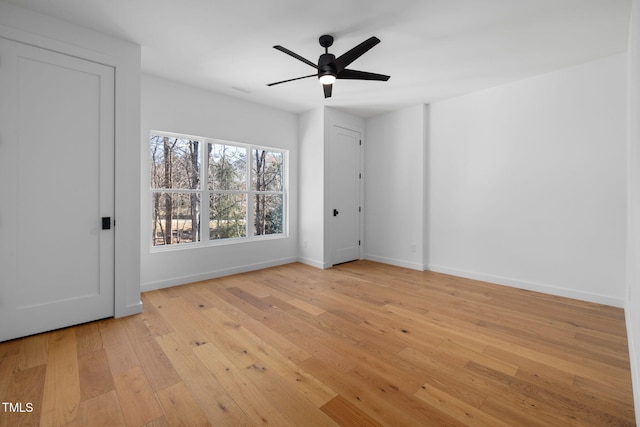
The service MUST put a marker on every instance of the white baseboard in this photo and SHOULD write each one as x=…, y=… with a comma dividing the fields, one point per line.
x=396, y=262
x=130, y=310
x=531, y=286
x=634, y=359
x=175, y=281
x=313, y=263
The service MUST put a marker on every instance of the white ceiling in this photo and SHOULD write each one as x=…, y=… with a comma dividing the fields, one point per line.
x=432, y=49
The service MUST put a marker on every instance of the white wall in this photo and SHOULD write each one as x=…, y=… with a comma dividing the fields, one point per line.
x=39, y=30
x=311, y=198
x=174, y=107
x=395, y=156
x=632, y=307
x=527, y=183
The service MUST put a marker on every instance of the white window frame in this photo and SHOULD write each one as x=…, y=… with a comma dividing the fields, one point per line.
x=205, y=194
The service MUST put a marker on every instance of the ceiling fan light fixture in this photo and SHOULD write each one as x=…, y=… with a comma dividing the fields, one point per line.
x=327, y=79
x=330, y=68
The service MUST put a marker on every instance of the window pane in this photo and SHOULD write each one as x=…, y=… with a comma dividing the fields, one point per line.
x=175, y=163
x=267, y=213
x=227, y=167
x=227, y=216
x=266, y=172
x=175, y=218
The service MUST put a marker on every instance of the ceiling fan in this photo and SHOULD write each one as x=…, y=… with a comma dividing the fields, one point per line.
x=331, y=68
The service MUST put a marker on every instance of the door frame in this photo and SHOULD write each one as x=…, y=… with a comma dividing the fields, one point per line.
x=329, y=196
x=20, y=25
x=82, y=262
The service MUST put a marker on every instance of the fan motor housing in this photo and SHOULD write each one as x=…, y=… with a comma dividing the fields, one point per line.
x=325, y=65
x=325, y=60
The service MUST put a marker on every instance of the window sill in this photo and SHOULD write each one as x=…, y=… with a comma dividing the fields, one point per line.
x=215, y=243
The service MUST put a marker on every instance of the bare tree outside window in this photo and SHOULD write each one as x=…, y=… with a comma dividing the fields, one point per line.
x=243, y=186
x=267, y=183
x=175, y=165
x=228, y=201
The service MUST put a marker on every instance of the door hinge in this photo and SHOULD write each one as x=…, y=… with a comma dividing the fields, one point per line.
x=360, y=142
x=360, y=176
x=358, y=242
x=359, y=208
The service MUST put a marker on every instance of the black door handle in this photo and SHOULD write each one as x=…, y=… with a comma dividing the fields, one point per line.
x=335, y=212
x=106, y=223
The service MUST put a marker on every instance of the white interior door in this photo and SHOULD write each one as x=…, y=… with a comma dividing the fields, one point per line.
x=344, y=172
x=56, y=184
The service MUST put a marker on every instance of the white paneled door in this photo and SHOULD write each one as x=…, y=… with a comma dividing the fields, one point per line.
x=344, y=172
x=56, y=185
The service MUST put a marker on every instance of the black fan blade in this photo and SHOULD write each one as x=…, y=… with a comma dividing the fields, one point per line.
x=290, y=80
x=295, y=55
x=361, y=75
x=347, y=58
x=327, y=90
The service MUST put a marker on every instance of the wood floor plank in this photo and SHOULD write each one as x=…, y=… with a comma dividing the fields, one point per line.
x=451, y=347
x=101, y=411
x=542, y=370
x=312, y=309
x=595, y=353
x=477, y=337
x=337, y=322
x=33, y=351
x=305, y=384
x=180, y=408
x=89, y=338
x=138, y=403
x=519, y=412
x=155, y=322
x=320, y=350
x=25, y=389
x=158, y=422
x=603, y=403
x=117, y=346
x=366, y=398
x=8, y=366
x=61, y=395
x=157, y=368
x=10, y=348
x=550, y=401
x=219, y=408
x=94, y=374
x=362, y=343
x=250, y=396
x=463, y=412
x=469, y=389
x=192, y=326
x=600, y=387
x=284, y=346
x=346, y=414
x=202, y=295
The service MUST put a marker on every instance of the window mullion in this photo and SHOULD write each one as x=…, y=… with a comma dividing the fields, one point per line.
x=204, y=192
x=250, y=199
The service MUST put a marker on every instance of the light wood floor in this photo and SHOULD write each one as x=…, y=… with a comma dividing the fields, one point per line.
x=361, y=344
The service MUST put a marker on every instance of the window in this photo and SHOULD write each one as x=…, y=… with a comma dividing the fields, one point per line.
x=238, y=194
x=175, y=178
